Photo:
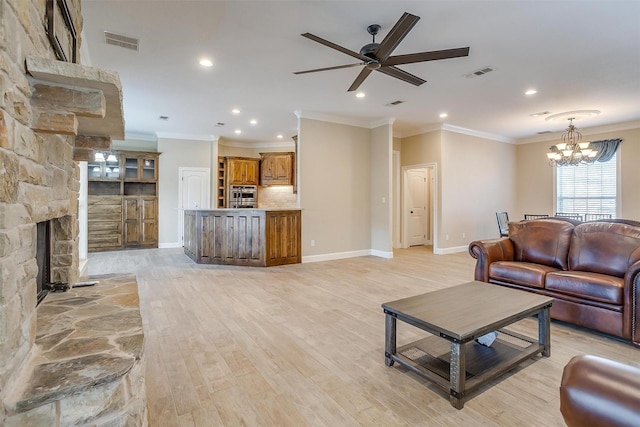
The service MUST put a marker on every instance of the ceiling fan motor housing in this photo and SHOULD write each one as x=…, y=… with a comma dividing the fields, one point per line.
x=369, y=49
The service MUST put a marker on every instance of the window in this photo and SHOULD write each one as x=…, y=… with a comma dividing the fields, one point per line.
x=587, y=188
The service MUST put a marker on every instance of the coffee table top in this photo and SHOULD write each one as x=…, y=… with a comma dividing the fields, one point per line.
x=467, y=310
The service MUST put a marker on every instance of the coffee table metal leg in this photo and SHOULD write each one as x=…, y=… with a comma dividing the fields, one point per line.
x=457, y=370
x=389, y=338
x=544, y=331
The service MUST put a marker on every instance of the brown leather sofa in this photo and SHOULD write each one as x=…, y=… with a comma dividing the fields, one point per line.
x=592, y=270
x=599, y=392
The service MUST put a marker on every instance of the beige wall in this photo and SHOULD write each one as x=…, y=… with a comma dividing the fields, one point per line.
x=477, y=180
x=474, y=180
x=534, y=176
x=381, y=148
x=178, y=153
x=135, y=144
x=335, y=187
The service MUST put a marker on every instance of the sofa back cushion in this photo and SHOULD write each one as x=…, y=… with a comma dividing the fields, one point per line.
x=606, y=248
x=544, y=241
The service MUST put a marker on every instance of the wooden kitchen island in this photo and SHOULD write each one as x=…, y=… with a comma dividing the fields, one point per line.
x=246, y=237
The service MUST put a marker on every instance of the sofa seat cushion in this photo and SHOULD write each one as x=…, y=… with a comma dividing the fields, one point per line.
x=520, y=273
x=592, y=286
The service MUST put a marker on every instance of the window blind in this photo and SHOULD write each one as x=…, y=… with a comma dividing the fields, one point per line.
x=587, y=188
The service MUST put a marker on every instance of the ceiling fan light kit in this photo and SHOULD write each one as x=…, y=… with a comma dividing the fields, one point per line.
x=377, y=56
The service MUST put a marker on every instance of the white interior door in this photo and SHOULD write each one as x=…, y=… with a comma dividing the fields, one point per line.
x=417, y=204
x=194, y=193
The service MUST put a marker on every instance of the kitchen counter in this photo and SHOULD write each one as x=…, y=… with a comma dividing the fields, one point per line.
x=246, y=237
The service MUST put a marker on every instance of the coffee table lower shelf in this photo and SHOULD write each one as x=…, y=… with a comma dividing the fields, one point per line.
x=430, y=357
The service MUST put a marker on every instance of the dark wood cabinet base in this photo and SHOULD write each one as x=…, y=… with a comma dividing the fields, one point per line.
x=246, y=237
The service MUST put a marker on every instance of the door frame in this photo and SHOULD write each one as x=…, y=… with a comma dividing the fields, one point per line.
x=433, y=202
x=181, y=172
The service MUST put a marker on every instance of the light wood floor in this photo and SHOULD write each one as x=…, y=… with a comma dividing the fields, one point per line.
x=304, y=345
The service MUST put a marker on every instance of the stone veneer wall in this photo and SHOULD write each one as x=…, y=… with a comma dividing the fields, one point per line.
x=39, y=180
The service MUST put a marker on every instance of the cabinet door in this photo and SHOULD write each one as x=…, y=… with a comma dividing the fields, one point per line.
x=149, y=220
x=234, y=172
x=132, y=221
x=277, y=169
x=251, y=172
x=131, y=167
x=148, y=169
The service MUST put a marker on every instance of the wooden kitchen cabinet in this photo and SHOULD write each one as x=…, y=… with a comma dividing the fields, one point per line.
x=140, y=221
x=277, y=168
x=123, y=205
x=242, y=171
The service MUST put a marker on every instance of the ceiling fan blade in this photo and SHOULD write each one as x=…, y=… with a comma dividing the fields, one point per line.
x=358, y=81
x=395, y=36
x=427, y=56
x=335, y=46
x=337, y=67
x=402, y=75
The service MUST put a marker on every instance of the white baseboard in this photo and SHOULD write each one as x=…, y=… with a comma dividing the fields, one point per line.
x=381, y=254
x=343, y=255
x=169, y=245
x=82, y=267
x=446, y=251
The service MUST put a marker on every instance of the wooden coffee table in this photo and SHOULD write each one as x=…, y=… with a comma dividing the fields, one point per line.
x=455, y=317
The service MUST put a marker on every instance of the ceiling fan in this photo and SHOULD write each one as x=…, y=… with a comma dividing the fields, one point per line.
x=377, y=56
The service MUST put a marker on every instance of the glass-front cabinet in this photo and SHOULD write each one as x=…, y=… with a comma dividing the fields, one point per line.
x=104, y=166
x=140, y=167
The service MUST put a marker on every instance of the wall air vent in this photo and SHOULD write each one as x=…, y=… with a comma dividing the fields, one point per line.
x=481, y=72
x=394, y=103
x=122, y=41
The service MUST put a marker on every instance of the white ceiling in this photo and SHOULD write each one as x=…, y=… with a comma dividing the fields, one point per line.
x=577, y=54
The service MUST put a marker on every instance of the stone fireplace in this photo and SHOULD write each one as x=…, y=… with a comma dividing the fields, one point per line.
x=52, y=115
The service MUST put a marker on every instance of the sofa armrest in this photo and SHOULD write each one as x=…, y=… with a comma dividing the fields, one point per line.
x=488, y=251
x=631, y=322
x=599, y=392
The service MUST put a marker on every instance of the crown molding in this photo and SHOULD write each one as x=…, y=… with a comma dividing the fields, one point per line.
x=614, y=127
x=140, y=136
x=457, y=129
x=190, y=137
x=332, y=118
x=254, y=145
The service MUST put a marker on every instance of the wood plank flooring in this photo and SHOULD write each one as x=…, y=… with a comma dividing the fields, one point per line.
x=303, y=345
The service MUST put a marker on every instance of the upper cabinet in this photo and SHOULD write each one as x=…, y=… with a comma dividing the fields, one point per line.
x=242, y=171
x=140, y=166
x=277, y=168
x=105, y=166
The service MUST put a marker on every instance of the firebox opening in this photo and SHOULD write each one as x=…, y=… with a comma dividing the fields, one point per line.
x=43, y=258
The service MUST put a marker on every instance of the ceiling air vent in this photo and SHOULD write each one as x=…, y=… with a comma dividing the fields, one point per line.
x=481, y=72
x=120, y=40
x=394, y=103
x=544, y=132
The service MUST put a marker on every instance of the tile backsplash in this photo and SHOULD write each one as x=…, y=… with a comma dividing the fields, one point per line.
x=277, y=196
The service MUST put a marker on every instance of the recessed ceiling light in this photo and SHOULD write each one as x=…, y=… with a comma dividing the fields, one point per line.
x=237, y=131
x=443, y=115
x=206, y=62
x=253, y=121
x=279, y=136
x=360, y=95
x=531, y=92
x=235, y=111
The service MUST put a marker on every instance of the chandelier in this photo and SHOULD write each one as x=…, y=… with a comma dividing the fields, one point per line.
x=571, y=152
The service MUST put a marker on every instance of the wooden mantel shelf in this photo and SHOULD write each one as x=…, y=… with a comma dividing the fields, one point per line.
x=87, y=79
